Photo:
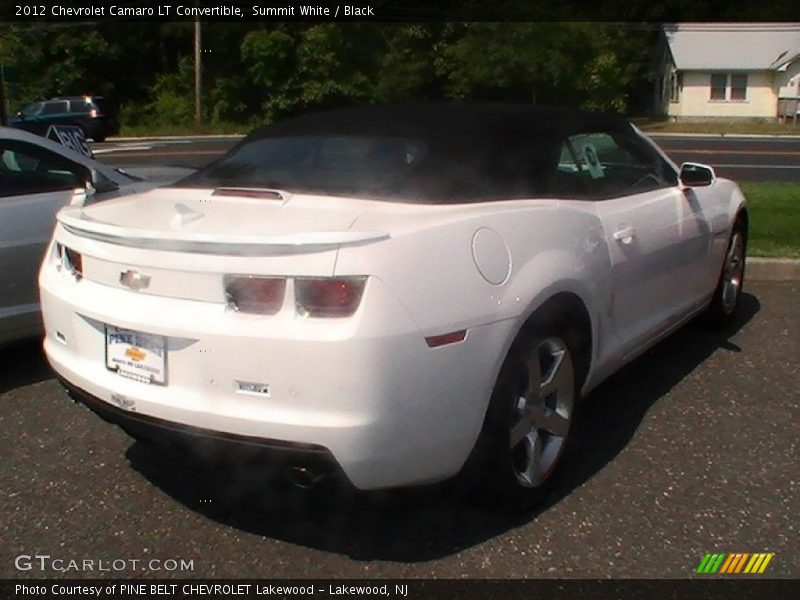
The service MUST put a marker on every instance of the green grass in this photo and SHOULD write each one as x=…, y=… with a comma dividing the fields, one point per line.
x=728, y=128
x=774, y=219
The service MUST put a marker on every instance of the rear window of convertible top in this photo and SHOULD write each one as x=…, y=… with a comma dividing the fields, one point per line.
x=385, y=168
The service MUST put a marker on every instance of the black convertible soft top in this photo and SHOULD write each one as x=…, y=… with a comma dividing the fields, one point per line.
x=429, y=153
x=446, y=121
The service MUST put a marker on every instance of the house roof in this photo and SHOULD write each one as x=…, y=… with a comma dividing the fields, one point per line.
x=732, y=46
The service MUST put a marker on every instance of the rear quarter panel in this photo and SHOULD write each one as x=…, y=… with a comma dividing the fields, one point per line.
x=429, y=266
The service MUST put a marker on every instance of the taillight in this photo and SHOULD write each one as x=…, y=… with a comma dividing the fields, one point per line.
x=328, y=297
x=258, y=295
x=73, y=261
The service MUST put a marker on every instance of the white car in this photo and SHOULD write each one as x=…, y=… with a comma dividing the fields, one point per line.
x=37, y=178
x=398, y=294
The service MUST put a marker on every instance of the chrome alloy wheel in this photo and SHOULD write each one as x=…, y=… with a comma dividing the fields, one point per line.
x=732, y=273
x=542, y=412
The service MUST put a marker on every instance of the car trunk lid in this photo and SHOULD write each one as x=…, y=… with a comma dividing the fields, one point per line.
x=201, y=221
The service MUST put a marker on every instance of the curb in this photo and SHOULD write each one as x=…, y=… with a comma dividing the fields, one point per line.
x=730, y=136
x=773, y=269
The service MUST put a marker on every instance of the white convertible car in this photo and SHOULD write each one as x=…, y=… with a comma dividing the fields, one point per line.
x=397, y=294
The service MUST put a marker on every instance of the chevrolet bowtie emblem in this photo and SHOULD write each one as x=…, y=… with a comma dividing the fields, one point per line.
x=134, y=279
x=135, y=354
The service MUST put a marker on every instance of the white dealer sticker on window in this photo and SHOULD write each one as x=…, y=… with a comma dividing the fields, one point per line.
x=591, y=161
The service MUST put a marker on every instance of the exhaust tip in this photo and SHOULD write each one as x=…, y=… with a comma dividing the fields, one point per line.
x=306, y=477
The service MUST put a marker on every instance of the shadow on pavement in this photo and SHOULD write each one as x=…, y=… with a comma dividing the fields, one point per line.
x=23, y=363
x=428, y=523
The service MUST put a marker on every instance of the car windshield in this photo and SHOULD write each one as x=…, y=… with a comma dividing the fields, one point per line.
x=80, y=105
x=382, y=167
x=31, y=109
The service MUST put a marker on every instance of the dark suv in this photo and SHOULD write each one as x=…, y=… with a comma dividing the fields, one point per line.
x=90, y=113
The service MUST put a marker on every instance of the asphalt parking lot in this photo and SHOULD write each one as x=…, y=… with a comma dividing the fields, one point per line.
x=693, y=448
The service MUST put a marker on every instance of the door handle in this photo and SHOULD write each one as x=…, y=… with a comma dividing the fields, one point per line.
x=624, y=235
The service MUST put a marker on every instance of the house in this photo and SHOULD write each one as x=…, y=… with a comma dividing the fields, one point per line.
x=728, y=70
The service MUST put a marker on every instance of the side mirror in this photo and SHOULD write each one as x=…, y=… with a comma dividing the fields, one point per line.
x=697, y=175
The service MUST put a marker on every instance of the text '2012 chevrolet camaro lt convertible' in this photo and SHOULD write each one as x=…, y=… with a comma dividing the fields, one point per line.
x=396, y=293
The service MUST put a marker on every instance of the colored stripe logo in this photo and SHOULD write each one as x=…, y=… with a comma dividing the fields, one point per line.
x=734, y=563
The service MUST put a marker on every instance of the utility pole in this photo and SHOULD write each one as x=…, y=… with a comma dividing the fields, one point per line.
x=198, y=73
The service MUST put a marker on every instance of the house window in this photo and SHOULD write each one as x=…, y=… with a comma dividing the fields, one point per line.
x=675, y=86
x=728, y=86
x=719, y=82
x=738, y=87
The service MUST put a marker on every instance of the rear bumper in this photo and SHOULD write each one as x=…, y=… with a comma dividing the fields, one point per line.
x=210, y=444
x=390, y=410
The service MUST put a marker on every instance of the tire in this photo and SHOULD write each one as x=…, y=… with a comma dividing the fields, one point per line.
x=725, y=301
x=530, y=414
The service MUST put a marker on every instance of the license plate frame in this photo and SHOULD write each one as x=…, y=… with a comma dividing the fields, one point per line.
x=136, y=355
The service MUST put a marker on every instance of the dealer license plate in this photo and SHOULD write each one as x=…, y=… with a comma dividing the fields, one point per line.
x=136, y=355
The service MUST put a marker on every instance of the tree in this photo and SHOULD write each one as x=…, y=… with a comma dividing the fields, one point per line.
x=256, y=73
x=406, y=71
x=555, y=63
x=9, y=42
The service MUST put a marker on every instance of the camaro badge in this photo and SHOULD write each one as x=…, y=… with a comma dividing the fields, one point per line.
x=134, y=279
x=135, y=354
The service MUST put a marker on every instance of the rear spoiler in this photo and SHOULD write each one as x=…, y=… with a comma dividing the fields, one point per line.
x=75, y=221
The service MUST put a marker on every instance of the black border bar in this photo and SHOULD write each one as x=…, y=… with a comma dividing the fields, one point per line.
x=412, y=589
x=241, y=11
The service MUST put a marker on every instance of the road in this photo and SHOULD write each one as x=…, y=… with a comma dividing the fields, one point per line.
x=737, y=158
x=693, y=448
x=177, y=152
x=741, y=159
